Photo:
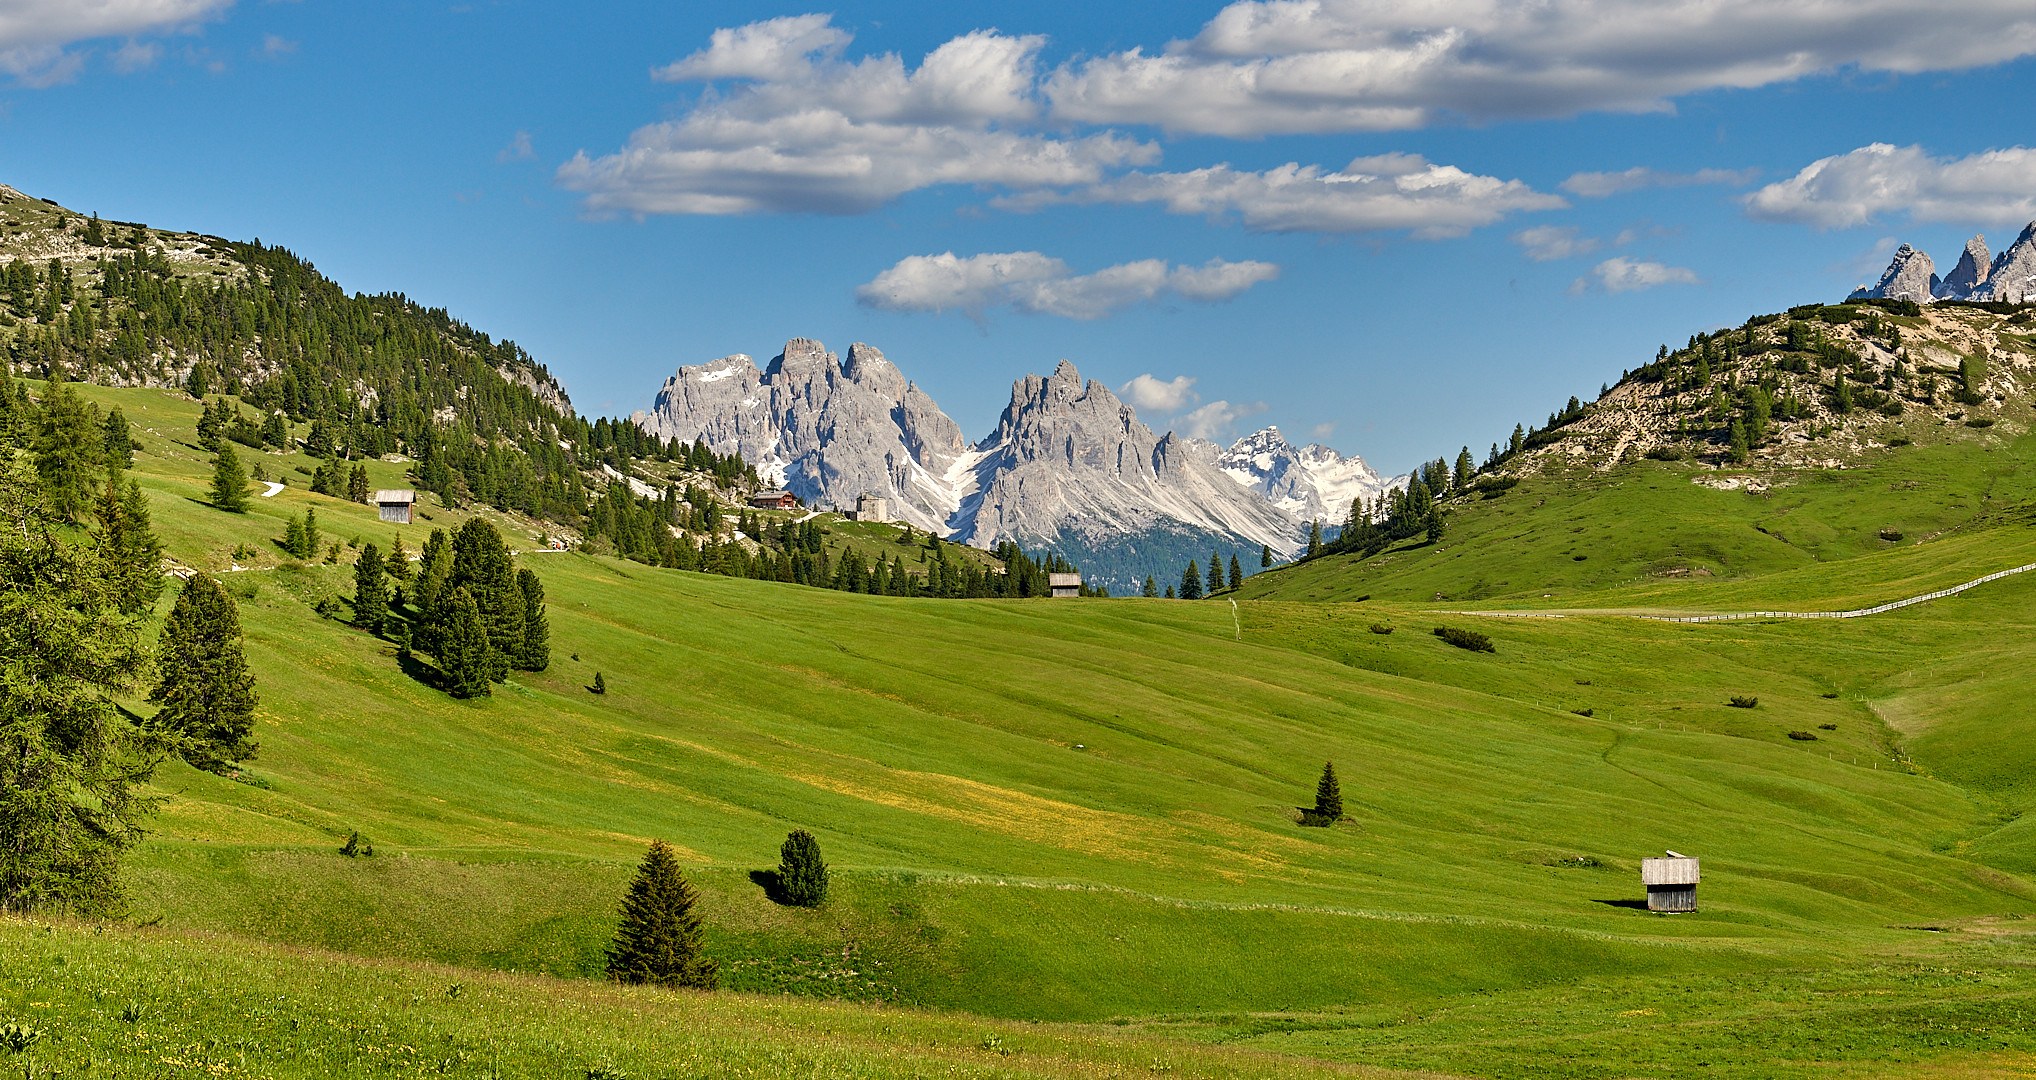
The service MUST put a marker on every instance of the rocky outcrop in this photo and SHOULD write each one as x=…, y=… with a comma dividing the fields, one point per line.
x=1966, y=278
x=1312, y=483
x=2013, y=274
x=1910, y=276
x=1068, y=459
x=827, y=431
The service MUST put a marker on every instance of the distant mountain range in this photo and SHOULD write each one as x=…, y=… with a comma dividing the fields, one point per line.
x=1979, y=275
x=1069, y=465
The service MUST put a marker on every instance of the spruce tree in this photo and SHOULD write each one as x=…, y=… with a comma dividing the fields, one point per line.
x=133, y=555
x=206, y=692
x=463, y=647
x=600, y=684
x=229, y=481
x=434, y=575
x=1216, y=580
x=119, y=445
x=73, y=771
x=68, y=447
x=397, y=562
x=482, y=566
x=659, y=941
x=1265, y=556
x=293, y=538
x=1236, y=571
x=802, y=873
x=1315, y=538
x=370, y=591
x=312, y=540
x=535, y=655
x=1191, y=582
x=357, y=485
x=1151, y=589
x=1328, y=809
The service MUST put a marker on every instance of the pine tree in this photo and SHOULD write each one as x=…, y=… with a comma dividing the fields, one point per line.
x=68, y=447
x=481, y=565
x=1191, y=582
x=1265, y=556
x=134, y=557
x=1216, y=579
x=229, y=481
x=370, y=590
x=535, y=655
x=802, y=873
x=1151, y=590
x=1328, y=809
x=1742, y=447
x=434, y=575
x=463, y=647
x=312, y=540
x=206, y=692
x=600, y=684
x=119, y=445
x=73, y=771
x=293, y=538
x=659, y=941
x=397, y=562
x=357, y=485
x=1315, y=538
x=1236, y=571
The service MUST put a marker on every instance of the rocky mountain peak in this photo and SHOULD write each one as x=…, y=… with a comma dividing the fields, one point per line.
x=1313, y=482
x=1910, y=275
x=866, y=366
x=1970, y=273
x=2013, y=274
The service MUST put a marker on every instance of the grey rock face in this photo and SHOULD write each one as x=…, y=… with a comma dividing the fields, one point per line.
x=828, y=432
x=2013, y=275
x=1970, y=273
x=1069, y=458
x=1909, y=276
x=1313, y=482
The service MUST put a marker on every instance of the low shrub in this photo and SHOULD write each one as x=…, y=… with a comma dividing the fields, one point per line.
x=1744, y=701
x=1381, y=628
x=1465, y=639
x=1827, y=727
x=1667, y=453
x=1891, y=535
x=1980, y=422
x=1802, y=736
x=1584, y=712
x=1900, y=441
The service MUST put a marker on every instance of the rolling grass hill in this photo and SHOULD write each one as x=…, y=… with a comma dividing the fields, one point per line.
x=1082, y=812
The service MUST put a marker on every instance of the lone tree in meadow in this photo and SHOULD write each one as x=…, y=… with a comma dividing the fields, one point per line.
x=1328, y=808
x=802, y=873
x=535, y=653
x=229, y=481
x=659, y=939
x=206, y=692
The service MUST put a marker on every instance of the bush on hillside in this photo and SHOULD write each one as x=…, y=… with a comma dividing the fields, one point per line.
x=1802, y=736
x=802, y=873
x=1465, y=639
x=1381, y=628
x=1891, y=535
x=1744, y=701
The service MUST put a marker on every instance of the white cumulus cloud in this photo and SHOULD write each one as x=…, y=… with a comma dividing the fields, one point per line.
x=1390, y=192
x=1620, y=274
x=1217, y=418
x=1855, y=188
x=35, y=35
x=1038, y=284
x=1544, y=243
x=803, y=129
x=1154, y=394
x=1280, y=66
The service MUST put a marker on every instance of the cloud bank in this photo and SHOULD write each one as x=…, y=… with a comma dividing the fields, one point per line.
x=1037, y=284
x=35, y=35
x=1880, y=180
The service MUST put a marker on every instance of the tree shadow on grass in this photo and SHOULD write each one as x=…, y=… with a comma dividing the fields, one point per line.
x=770, y=883
x=421, y=671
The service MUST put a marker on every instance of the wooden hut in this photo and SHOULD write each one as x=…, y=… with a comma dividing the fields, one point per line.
x=774, y=500
x=1066, y=584
x=1671, y=882
x=395, y=505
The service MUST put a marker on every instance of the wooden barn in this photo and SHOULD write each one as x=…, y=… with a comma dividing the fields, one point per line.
x=774, y=500
x=1066, y=584
x=1671, y=882
x=395, y=505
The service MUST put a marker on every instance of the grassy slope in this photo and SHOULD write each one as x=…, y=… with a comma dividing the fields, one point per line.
x=985, y=863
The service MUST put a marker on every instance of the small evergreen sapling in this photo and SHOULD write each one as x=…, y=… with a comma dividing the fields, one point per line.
x=1328, y=808
x=659, y=939
x=802, y=873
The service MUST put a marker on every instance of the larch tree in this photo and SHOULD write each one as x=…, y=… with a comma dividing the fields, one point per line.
x=370, y=591
x=118, y=444
x=229, y=481
x=659, y=940
x=73, y=771
x=128, y=543
x=205, y=690
x=68, y=449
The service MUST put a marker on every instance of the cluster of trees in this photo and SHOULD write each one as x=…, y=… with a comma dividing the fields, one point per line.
x=1195, y=585
x=81, y=573
x=469, y=607
x=642, y=528
x=660, y=938
x=484, y=421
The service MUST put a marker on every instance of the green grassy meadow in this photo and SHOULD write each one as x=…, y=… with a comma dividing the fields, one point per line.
x=1067, y=828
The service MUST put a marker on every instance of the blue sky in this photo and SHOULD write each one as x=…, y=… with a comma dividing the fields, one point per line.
x=1395, y=228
